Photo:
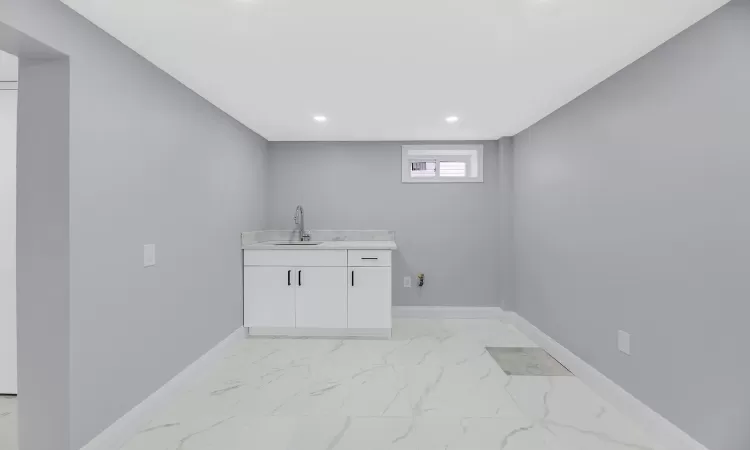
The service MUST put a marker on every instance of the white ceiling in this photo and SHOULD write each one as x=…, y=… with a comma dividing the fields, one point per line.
x=8, y=67
x=392, y=69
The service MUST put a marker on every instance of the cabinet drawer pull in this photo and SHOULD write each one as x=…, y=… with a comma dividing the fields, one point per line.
x=299, y=278
x=352, y=278
x=370, y=258
x=289, y=277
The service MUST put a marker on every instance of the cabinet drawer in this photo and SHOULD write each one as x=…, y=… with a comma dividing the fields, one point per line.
x=296, y=258
x=369, y=258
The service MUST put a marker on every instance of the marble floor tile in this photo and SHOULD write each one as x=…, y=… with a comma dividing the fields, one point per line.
x=241, y=433
x=488, y=333
x=433, y=386
x=430, y=433
x=460, y=391
x=580, y=419
x=8, y=423
x=484, y=332
x=346, y=433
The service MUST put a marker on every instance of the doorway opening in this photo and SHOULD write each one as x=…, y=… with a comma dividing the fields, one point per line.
x=35, y=282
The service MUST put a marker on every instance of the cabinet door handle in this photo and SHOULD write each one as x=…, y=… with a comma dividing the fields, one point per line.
x=289, y=277
x=370, y=258
x=299, y=278
x=352, y=278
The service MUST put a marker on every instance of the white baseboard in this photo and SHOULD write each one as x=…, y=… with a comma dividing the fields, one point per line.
x=127, y=426
x=665, y=432
x=448, y=312
x=380, y=333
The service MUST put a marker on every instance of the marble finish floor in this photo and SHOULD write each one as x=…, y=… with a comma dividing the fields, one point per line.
x=8, y=423
x=433, y=386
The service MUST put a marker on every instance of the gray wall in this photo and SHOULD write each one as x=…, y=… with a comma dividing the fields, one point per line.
x=43, y=254
x=150, y=162
x=632, y=214
x=453, y=233
x=505, y=198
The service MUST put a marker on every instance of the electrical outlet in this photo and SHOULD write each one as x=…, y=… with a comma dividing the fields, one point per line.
x=149, y=255
x=623, y=342
x=407, y=282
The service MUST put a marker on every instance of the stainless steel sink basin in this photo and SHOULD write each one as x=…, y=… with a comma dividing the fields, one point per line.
x=297, y=243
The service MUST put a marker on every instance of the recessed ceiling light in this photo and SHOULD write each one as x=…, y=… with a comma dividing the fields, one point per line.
x=451, y=119
x=320, y=119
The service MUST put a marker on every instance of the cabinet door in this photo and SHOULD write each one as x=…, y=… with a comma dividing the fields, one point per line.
x=369, y=297
x=269, y=296
x=321, y=297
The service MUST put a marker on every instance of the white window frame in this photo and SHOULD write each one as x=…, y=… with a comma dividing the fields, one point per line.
x=443, y=152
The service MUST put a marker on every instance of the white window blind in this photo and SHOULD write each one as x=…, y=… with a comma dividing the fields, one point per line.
x=452, y=169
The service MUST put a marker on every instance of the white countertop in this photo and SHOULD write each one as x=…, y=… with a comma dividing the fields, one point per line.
x=325, y=245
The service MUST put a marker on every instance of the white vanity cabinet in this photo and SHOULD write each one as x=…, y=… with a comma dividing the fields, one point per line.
x=317, y=292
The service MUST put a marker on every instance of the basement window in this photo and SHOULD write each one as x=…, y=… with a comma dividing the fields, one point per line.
x=442, y=164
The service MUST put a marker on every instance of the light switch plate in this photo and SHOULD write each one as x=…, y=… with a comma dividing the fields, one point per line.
x=623, y=342
x=407, y=282
x=149, y=255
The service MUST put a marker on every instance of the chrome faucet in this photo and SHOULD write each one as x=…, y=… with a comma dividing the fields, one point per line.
x=299, y=219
